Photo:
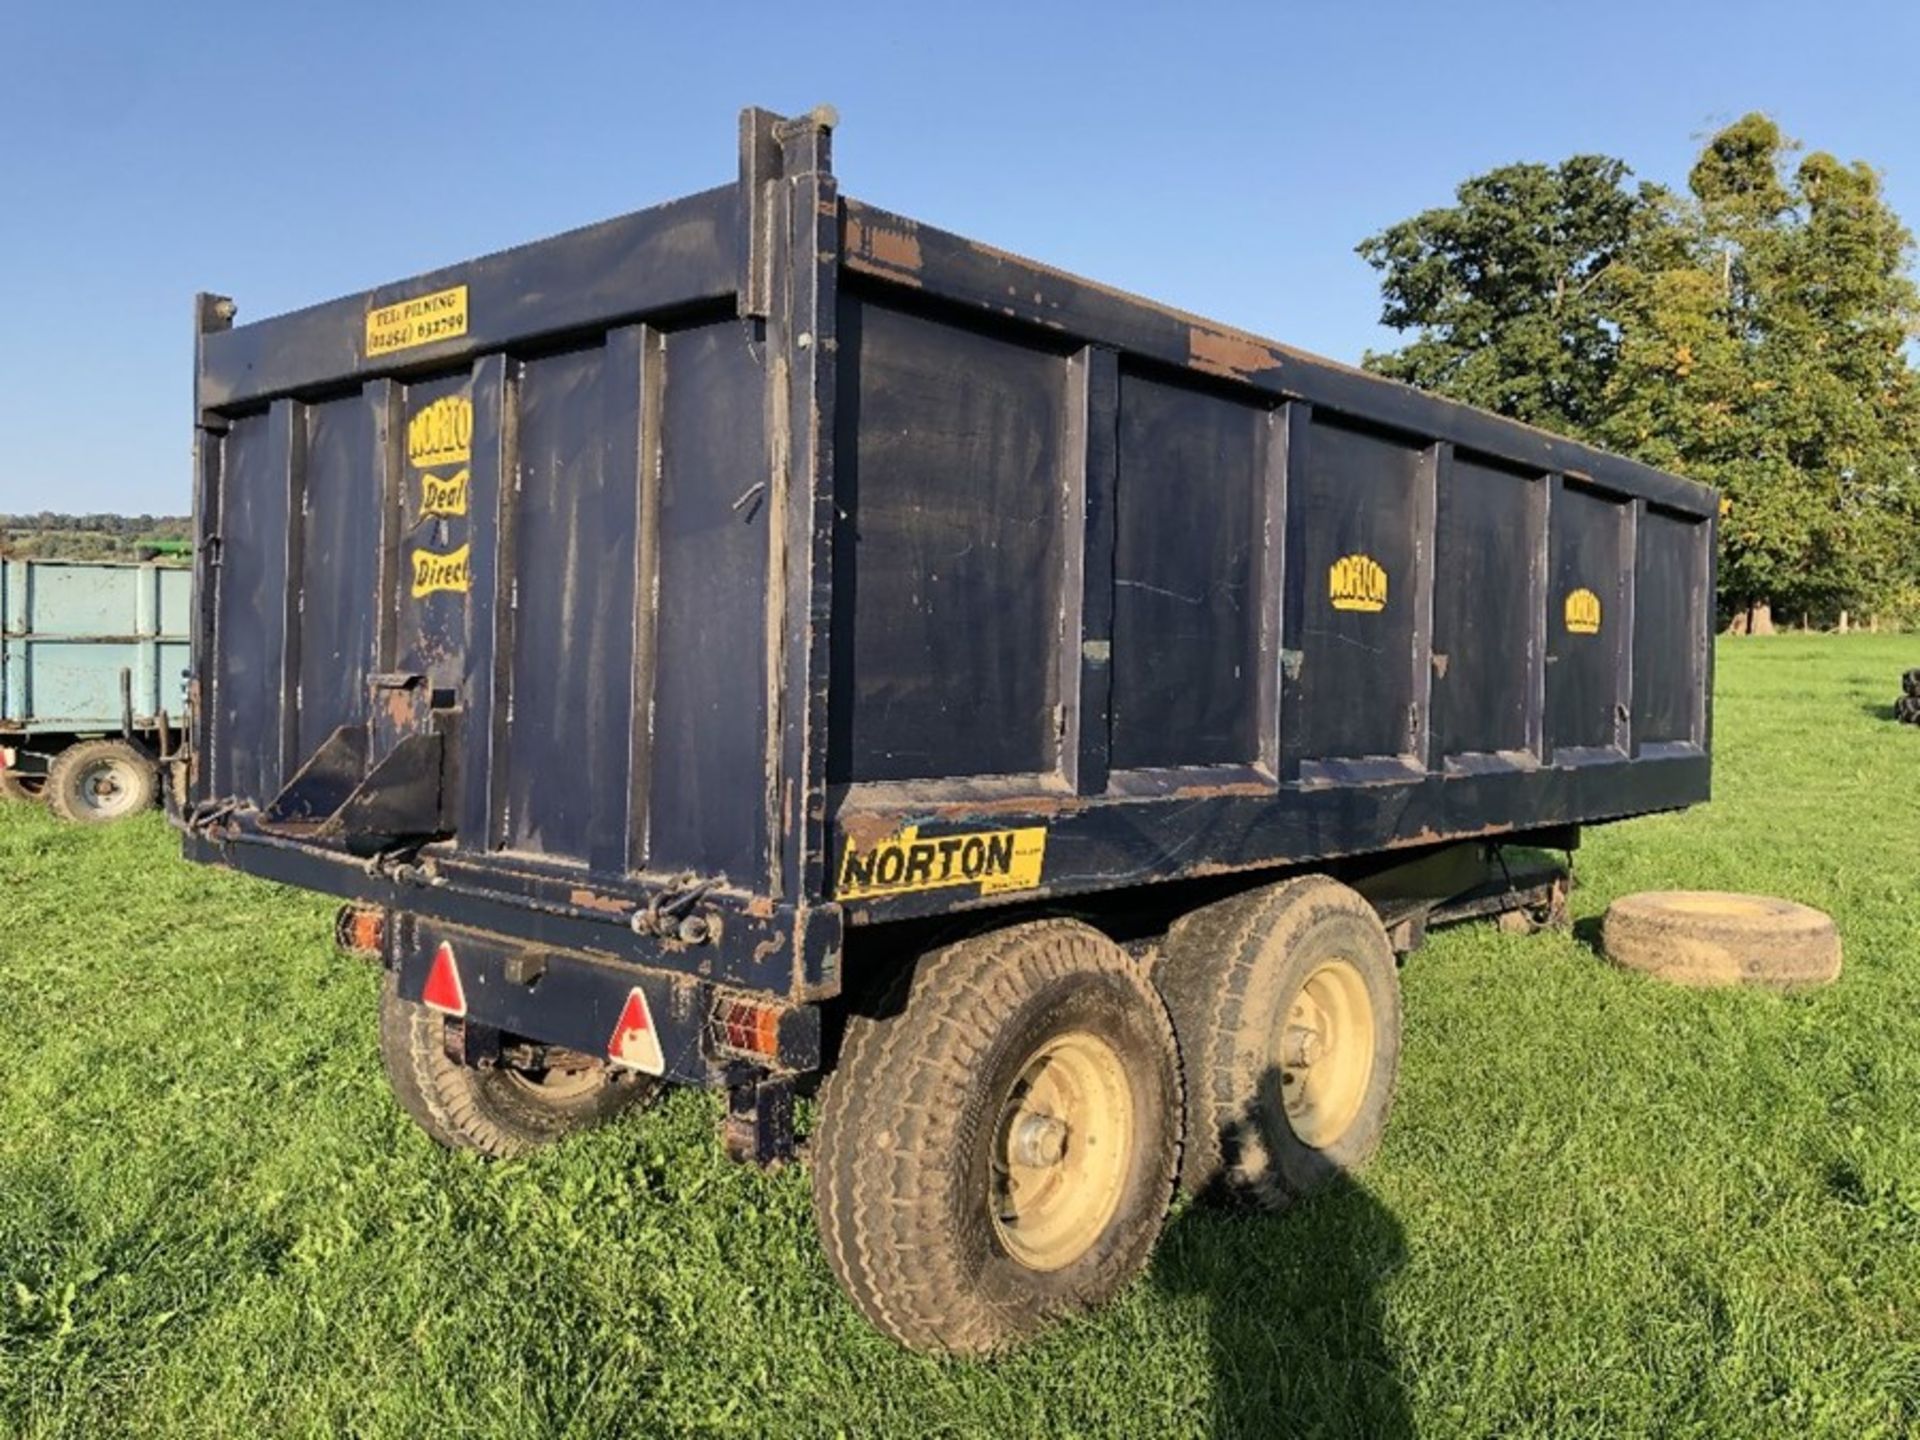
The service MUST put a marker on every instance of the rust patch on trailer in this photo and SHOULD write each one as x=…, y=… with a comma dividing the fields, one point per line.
x=896, y=250
x=863, y=832
x=1201, y=869
x=1427, y=835
x=1231, y=787
x=605, y=904
x=1440, y=663
x=402, y=707
x=760, y=907
x=767, y=948
x=1049, y=806
x=1237, y=357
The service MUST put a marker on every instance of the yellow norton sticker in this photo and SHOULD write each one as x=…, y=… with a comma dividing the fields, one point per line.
x=419, y=321
x=996, y=860
x=1357, y=582
x=432, y=572
x=1583, y=612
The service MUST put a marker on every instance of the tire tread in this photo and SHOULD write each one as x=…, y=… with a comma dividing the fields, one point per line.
x=1208, y=969
x=899, y=1098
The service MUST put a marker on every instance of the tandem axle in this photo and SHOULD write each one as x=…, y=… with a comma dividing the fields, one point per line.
x=508, y=1006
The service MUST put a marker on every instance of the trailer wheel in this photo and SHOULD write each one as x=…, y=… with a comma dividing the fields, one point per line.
x=99, y=781
x=15, y=786
x=1001, y=1148
x=1286, y=1002
x=497, y=1111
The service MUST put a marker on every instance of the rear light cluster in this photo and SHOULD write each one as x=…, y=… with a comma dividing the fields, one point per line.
x=746, y=1028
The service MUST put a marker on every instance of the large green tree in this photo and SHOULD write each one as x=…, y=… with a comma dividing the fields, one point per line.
x=1503, y=289
x=1751, y=333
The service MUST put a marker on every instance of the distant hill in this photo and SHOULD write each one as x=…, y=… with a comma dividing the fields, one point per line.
x=48, y=536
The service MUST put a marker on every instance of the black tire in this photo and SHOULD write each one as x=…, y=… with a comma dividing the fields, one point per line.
x=1907, y=709
x=1232, y=974
x=913, y=1175
x=25, y=788
x=495, y=1111
x=1910, y=682
x=100, y=781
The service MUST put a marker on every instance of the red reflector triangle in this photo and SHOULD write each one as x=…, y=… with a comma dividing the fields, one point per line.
x=635, y=1043
x=443, y=991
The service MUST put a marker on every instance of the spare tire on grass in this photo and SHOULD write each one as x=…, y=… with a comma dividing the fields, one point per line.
x=1711, y=937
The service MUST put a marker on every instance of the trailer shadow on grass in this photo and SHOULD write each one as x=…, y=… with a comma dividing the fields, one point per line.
x=1296, y=1314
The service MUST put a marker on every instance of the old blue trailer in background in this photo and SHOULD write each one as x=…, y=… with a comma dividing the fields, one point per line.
x=93, y=662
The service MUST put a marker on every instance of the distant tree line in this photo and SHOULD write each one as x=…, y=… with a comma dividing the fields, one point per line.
x=93, y=537
x=1753, y=332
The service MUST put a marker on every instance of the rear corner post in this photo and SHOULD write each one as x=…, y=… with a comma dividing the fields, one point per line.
x=212, y=315
x=789, y=255
x=759, y=168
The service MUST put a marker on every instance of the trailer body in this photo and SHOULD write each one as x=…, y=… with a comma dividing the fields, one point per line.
x=89, y=649
x=681, y=605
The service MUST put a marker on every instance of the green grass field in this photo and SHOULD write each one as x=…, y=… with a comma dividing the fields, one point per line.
x=1604, y=1207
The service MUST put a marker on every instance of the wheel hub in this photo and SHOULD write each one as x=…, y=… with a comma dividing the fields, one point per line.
x=1039, y=1141
x=1062, y=1149
x=1304, y=1043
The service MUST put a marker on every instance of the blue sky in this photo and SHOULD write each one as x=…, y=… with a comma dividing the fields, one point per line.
x=1222, y=158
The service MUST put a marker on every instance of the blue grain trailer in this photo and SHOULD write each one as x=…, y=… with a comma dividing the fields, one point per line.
x=93, y=662
x=765, y=636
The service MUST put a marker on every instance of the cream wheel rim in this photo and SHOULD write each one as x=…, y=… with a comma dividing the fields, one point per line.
x=564, y=1080
x=1062, y=1146
x=106, y=787
x=1325, y=1052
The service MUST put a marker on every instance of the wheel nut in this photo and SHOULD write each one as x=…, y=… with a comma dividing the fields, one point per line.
x=1303, y=1045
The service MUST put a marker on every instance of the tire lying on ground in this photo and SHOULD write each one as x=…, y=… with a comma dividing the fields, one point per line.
x=1910, y=682
x=1907, y=709
x=1709, y=938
